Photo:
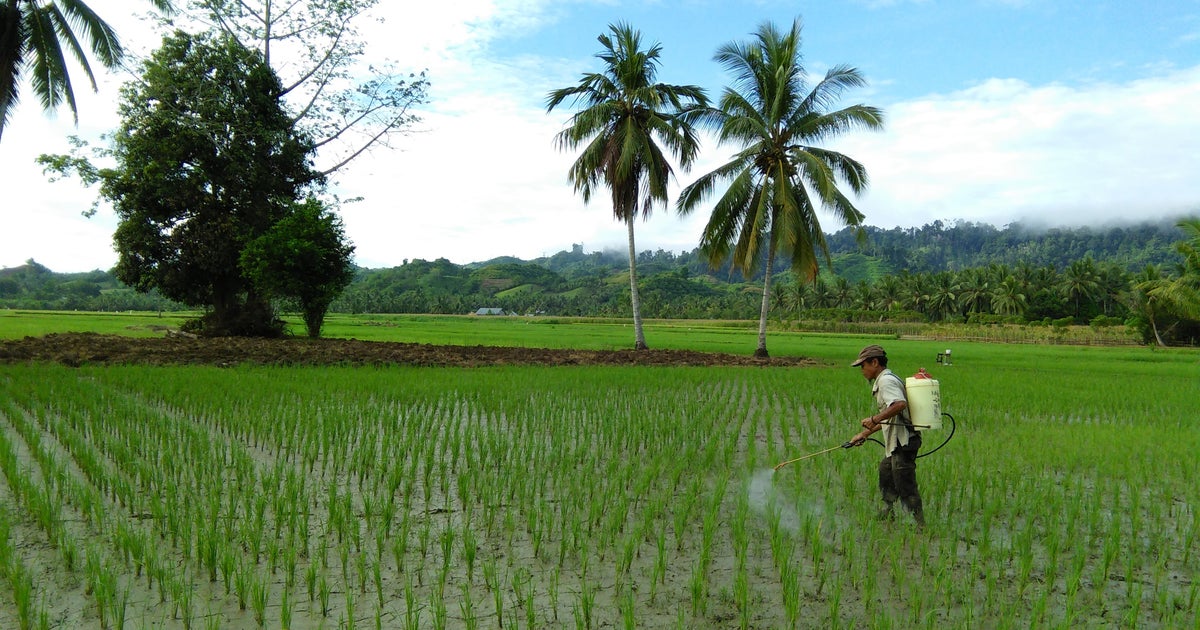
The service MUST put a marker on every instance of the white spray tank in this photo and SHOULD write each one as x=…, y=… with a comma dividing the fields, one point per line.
x=924, y=401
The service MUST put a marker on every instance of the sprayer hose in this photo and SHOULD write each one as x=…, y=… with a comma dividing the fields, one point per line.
x=944, y=442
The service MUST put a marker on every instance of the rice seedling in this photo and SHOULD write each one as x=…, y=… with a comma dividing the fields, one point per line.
x=619, y=486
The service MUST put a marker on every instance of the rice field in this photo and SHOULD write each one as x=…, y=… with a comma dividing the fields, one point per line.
x=267, y=497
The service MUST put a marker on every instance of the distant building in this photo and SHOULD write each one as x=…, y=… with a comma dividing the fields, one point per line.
x=490, y=311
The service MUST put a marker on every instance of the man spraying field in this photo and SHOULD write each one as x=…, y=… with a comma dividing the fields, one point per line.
x=901, y=441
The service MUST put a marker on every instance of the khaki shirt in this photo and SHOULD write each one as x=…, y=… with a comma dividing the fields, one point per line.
x=887, y=389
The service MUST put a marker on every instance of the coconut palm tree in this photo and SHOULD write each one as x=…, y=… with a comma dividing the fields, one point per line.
x=1080, y=283
x=33, y=36
x=918, y=289
x=780, y=177
x=865, y=297
x=1113, y=281
x=974, y=291
x=1007, y=298
x=1180, y=296
x=842, y=293
x=822, y=293
x=626, y=121
x=943, y=297
x=1146, y=301
x=889, y=292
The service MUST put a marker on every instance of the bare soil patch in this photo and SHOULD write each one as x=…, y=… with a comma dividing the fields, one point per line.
x=77, y=349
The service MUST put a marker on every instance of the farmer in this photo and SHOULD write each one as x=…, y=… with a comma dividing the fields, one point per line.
x=898, y=469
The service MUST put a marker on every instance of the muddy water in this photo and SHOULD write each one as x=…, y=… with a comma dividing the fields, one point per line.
x=765, y=496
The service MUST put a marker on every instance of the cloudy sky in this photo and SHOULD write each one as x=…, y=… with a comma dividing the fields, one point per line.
x=1057, y=112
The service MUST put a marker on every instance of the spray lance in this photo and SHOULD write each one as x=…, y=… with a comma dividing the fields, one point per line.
x=925, y=409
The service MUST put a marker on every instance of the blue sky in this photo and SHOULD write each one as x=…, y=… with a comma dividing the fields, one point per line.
x=1060, y=113
x=908, y=48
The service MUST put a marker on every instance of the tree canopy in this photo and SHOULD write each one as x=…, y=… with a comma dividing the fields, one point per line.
x=779, y=178
x=306, y=257
x=210, y=170
x=208, y=160
x=628, y=118
x=33, y=36
x=346, y=106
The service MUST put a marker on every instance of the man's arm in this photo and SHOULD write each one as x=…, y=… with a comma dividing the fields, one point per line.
x=874, y=423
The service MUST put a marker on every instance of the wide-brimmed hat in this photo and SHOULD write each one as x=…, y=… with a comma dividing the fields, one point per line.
x=869, y=352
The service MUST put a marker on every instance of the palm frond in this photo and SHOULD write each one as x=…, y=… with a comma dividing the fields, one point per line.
x=627, y=121
x=827, y=92
x=104, y=42
x=843, y=166
x=49, y=78
x=778, y=180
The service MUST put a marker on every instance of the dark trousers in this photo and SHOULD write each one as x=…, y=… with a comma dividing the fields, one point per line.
x=898, y=478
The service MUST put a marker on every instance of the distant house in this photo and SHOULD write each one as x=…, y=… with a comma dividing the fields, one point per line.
x=490, y=311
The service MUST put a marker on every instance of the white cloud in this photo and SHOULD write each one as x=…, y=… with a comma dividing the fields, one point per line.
x=482, y=178
x=1005, y=150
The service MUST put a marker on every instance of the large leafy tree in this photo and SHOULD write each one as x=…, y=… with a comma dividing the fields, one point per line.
x=35, y=39
x=207, y=161
x=780, y=177
x=346, y=106
x=626, y=121
x=306, y=257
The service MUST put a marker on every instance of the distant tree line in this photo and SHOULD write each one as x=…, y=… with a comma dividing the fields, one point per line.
x=1093, y=290
x=939, y=246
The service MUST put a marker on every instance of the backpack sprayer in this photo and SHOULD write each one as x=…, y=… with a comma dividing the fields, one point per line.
x=924, y=410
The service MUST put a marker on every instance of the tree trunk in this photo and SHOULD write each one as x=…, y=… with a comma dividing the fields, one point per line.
x=639, y=337
x=1157, y=337
x=761, y=351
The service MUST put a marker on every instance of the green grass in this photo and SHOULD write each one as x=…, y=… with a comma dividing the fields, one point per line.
x=15, y=324
x=567, y=478
x=1066, y=498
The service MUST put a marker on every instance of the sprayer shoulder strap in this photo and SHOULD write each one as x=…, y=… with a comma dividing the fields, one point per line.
x=904, y=415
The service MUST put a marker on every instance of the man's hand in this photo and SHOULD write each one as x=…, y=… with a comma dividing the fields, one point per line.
x=867, y=423
x=859, y=439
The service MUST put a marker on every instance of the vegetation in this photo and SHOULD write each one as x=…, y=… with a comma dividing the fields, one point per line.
x=305, y=257
x=207, y=162
x=516, y=497
x=578, y=283
x=316, y=50
x=208, y=171
x=959, y=245
x=33, y=35
x=626, y=121
x=778, y=180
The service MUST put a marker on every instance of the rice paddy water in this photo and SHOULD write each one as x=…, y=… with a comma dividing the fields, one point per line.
x=585, y=497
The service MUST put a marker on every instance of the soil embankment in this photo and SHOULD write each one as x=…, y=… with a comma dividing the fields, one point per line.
x=77, y=349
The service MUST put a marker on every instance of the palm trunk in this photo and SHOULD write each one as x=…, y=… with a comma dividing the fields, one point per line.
x=639, y=342
x=1157, y=337
x=761, y=351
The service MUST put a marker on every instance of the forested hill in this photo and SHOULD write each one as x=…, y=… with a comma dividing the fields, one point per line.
x=928, y=249
x=596, y=278
x=965, y=245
